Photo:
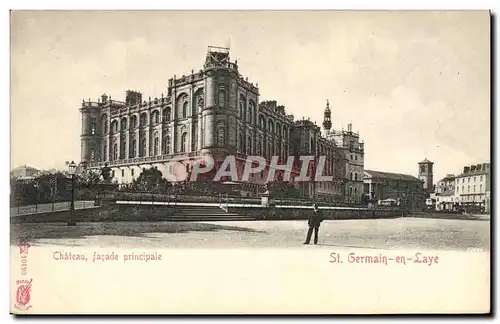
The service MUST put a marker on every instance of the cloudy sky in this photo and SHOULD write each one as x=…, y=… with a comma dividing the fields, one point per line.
x=414, y=84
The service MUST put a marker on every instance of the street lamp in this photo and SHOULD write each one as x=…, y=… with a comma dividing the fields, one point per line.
x=72, y=171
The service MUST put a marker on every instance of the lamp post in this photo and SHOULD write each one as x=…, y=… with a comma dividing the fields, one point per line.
x=72, y=171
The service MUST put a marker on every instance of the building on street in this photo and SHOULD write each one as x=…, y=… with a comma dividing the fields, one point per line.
x=473, y=187
x=403, y=188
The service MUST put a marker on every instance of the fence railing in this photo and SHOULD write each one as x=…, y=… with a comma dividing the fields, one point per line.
x=50, y=207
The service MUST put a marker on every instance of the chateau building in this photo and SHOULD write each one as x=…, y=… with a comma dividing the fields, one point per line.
x=217, y=111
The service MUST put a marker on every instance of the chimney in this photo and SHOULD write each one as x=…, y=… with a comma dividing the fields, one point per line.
x=466, y=169
x=132, y=98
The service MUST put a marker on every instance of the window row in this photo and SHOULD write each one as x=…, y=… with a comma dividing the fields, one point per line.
x=119, y=152
x=468, y=189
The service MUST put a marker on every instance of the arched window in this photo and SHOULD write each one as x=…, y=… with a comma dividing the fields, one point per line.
x=262, y=122
x=156, y=145
x=143, y=119
x=269, y=149
x=123, y=124
x=221, y=136
x=251, y=110
x=285, y=133
x=142, y=148
x=350, y=176
x=356, y=177
x=184, y=142
x=249, y=146
x=271, y=126
x=185, y=109
x=259, y=147
x=166, y=144
x=114, y=127
x=155, y=117
x=167, y=114
x=278, y=129
x=278, y=149
x=133, y=121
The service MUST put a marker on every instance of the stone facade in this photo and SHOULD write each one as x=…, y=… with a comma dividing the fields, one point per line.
x=214, y=111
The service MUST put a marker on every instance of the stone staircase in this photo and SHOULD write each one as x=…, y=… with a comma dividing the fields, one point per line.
x=206, y=213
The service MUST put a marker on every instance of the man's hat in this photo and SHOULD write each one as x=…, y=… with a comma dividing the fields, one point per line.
x=315, y=205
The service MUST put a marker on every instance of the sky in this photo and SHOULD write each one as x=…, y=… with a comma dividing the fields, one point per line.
x=414, y=84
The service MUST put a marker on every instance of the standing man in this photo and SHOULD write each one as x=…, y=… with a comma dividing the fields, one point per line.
x=314, y=222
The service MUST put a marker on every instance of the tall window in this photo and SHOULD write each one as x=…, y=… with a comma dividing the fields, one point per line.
x=143, y=147
x=167, y=113
x=105, y=152
x=133, y=152
x=115, y=152
x=92, y=126
x=166, y=144
x=240, y=144
x=184, y=142
x=350, y=176
x=356, y=177
x=221, y=136
x=249, y=146
x=156, y=144
x=185, y=109
x=104, y=123
x=222, y=96
x=155, y=117
x=271, y=126
x=123, y=149
x=259, y=147
x=143, y=119
x=269, y=149
x=114, y=127
x=242, y=108
x=133, y=121
x=251, y=111
x=123, y=124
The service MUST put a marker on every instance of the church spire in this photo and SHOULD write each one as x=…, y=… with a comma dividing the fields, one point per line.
x=327, y=121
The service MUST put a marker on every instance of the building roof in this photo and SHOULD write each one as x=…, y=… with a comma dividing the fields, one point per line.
x=425, y=161
x=391, y=176
x=448, y=178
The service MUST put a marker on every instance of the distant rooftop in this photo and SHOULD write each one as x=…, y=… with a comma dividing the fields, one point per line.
x=391, y=176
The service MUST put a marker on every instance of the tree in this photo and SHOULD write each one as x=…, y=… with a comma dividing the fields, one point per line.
x=150, y=179
x=88, y=178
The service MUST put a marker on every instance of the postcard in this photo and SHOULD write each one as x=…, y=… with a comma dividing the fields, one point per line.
x=250, y=162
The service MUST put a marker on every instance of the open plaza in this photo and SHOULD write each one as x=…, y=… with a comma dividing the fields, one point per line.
x=385, y=234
